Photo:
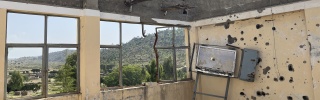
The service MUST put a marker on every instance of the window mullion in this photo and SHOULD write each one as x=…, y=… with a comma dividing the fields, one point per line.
x=174, y=56
x=120, y=58
x=45, y=60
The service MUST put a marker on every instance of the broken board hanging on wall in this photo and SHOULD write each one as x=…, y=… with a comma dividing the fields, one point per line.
x=216, y=60
x=249, y=62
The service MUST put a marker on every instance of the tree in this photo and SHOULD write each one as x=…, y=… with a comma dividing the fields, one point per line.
x=152, y=71
x=131, y=75
x=65, y=79
x=16, y=81
x=67, y=74
x=167, y=69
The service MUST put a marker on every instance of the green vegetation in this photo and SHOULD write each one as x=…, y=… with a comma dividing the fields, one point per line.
x=138, y=65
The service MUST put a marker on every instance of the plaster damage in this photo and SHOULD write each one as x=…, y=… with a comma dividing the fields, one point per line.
x=285, y=67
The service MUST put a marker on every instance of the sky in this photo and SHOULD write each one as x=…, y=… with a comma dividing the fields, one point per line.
x=27, y=28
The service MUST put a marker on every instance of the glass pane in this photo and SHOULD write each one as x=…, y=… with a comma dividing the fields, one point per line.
x=166, y=64
x=62, y=75
x=24, y=72
x=62, y=30
x=181, y=58
x=180, y=39
x=165, y=36
x=109, y=67
x=109, y=33
x=25, y=28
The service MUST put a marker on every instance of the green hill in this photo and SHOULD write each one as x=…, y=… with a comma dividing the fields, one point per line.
x=137, y=51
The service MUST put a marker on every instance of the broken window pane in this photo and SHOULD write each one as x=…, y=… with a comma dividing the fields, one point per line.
x=181, y=59
x=109, y=33
x=109, y=67
x=180, y=37
x=25, y=28
x=165, y=36
x=62, y=74
x=166, y=64
x=62, y=30
x=24, y=73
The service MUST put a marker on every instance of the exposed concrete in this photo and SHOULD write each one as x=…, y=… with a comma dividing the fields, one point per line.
x=278, y=47
x=61, y=3
x=171, y=91
x=91, y=4
x=146, y=10
x=152, y=8
x=213, y=8
x=3, y=19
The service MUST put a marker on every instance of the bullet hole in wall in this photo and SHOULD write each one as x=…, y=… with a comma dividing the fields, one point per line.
x=304, y=61
x=253, y=98
x=241, y=39
x=241, y=32
x=290, y=68
x=259, y=60
x=244, y=44
x=301, y=46
x=275, y=79
x=258, y=26
x=305, y=97
x=242, y=94
x=261, y=93
x=281, y=78
x=295, y=23
x=291, y=28
x=231, y=39
x=274, y=28
x=260, y=35
x=318, y=25
x=200, y=27
x=268, y=76
x=265, y=70
x=267, y=43
x=207, y=39
x=291, y=79
x=255, y=39
x=289, y=98
x=268, y=87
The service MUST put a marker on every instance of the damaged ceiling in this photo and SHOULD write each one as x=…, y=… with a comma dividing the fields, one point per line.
x=147, y=9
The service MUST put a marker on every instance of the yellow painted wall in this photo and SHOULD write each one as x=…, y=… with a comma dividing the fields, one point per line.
x=3, y=17
x=288, y=44
x=90, y=58
x=313, y=30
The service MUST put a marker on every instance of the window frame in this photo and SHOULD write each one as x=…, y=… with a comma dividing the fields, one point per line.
x=185, y=47
x=45, y=54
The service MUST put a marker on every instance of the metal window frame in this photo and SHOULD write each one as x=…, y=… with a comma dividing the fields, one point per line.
x=45, y=52
x=175, y=48
x=120, y=46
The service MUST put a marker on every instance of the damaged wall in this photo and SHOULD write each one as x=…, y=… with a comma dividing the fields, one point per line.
x=285, y=70
x=172, y=91
x=152, y=8
x=313, y=27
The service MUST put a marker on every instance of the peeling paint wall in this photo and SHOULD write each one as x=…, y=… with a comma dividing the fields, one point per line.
x=172, y=91
x=285, y=68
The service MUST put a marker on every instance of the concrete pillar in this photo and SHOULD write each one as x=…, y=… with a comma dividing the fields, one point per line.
x=3, y=18
x=89, y=58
